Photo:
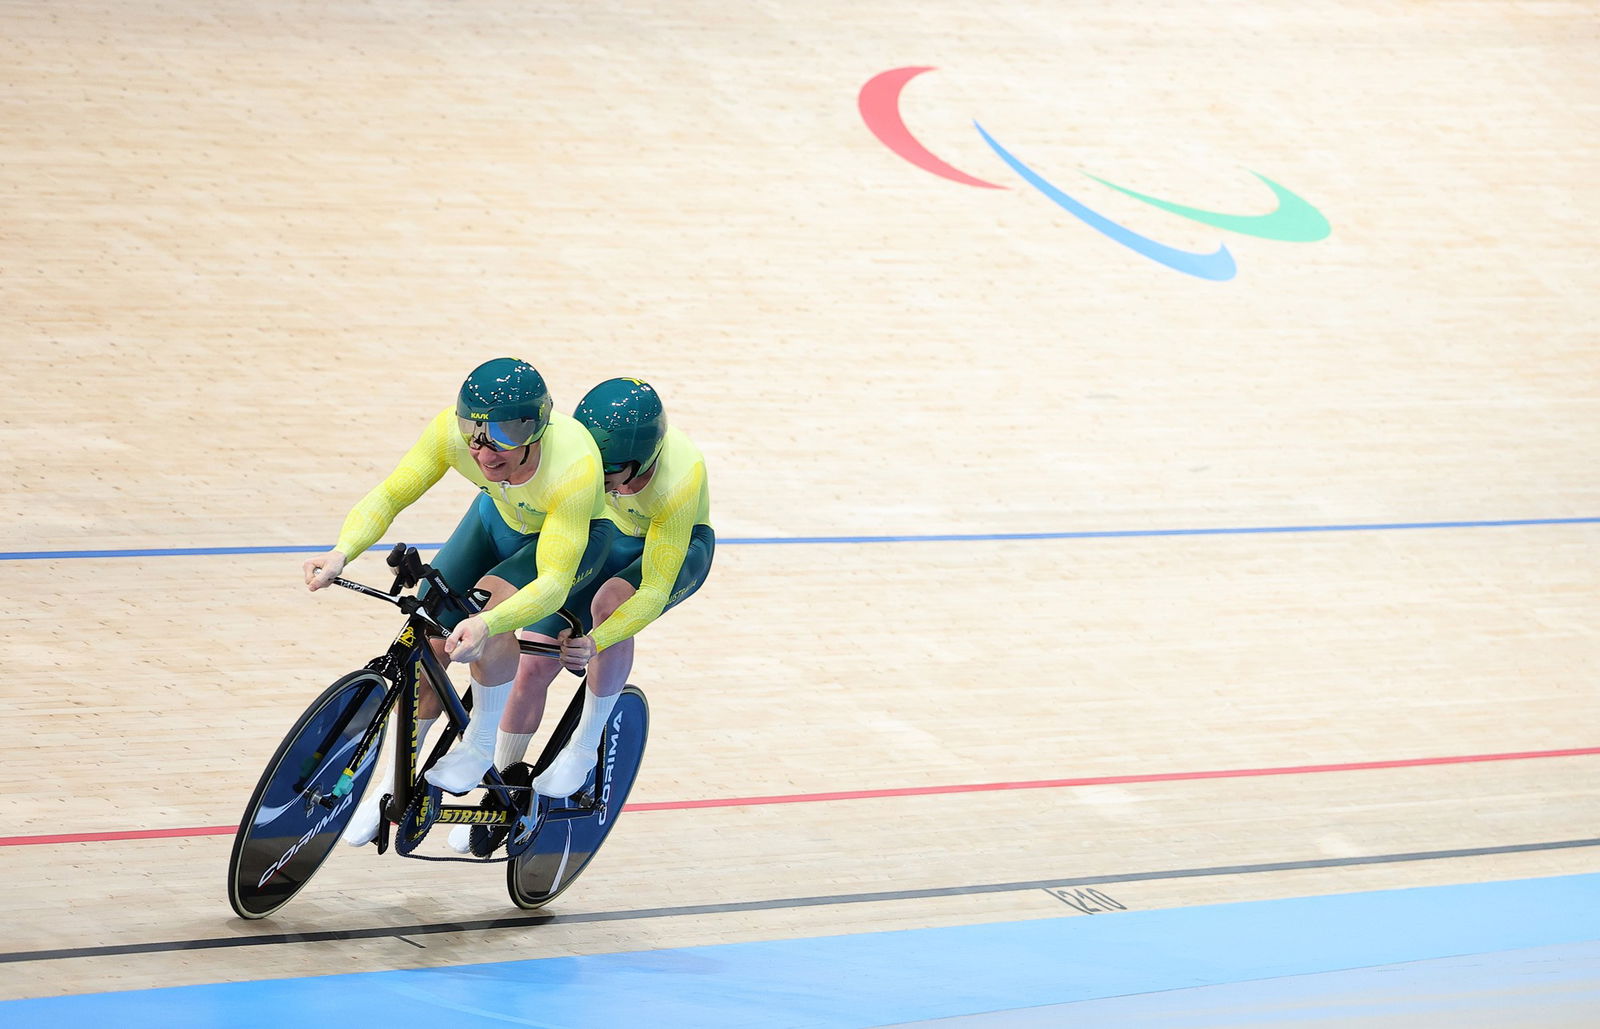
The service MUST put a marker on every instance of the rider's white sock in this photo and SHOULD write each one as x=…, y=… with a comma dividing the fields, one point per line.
x=462, y=769
x=488, y=704
x=577, y=759
x=510, y=747
x=593, y=723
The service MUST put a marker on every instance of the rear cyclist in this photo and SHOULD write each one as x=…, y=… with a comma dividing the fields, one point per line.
x=657, y=494
x=535, y=532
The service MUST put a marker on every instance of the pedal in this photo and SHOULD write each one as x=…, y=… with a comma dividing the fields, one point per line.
x=383, y=828
x=522, y=833
x=486, y=839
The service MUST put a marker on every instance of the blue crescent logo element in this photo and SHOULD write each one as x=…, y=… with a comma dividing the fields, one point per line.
x=1217, y=266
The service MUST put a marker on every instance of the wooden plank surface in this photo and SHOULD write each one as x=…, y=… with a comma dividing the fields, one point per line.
x=246, y=252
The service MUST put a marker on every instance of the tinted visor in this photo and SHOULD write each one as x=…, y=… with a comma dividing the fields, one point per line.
x=509, y=435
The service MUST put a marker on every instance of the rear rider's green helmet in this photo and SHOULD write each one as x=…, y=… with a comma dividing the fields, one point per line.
x=504, y=404
x=628, y=423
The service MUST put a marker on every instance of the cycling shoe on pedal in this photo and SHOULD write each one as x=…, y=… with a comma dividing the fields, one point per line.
x=461, y=770
x=567, y=773
x=363, y=825
x=461, y=839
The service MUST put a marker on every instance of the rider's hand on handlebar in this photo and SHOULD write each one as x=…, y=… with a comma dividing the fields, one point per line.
x=321, y=571
x=465, y=645
x=576, y=651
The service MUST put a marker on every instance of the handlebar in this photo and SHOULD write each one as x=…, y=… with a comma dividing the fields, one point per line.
x=410, y=571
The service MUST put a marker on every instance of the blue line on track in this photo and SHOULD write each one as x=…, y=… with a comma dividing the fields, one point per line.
x=1534, y=937
x=952, y=537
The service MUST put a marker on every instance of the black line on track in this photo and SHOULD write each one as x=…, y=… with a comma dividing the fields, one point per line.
x=578, y=918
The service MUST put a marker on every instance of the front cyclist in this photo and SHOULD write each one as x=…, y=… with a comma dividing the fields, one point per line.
x=535, y=532
x=657, y=494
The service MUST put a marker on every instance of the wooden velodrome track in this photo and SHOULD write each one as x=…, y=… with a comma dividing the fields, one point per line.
x=246, y=250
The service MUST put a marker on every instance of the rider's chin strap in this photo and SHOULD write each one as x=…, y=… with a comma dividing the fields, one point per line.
x=637, y=471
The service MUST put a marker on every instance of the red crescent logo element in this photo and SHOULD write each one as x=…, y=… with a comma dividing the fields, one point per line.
x=880, y=109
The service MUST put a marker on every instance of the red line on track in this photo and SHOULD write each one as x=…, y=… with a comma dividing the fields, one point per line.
x=908, y=791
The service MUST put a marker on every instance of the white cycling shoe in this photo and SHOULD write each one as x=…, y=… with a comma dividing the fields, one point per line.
x=461, y=770
x=363, y=825
x=461, y=839
x=568, y=772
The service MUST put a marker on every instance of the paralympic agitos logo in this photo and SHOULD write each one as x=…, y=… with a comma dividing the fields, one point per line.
x=1294, y=220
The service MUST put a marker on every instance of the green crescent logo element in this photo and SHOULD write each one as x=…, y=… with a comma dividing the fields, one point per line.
x=1294, y=221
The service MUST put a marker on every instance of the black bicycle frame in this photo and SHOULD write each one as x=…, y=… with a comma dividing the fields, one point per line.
x=411, y=663
x=409, y=660
x=404, y=665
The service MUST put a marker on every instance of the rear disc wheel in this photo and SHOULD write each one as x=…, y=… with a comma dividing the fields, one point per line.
x=564, y=846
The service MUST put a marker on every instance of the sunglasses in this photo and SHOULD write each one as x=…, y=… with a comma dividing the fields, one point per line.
x=499, y=436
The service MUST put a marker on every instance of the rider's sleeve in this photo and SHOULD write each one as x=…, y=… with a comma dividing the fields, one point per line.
x=562, y=541
x=666, y=544
x=424, y=464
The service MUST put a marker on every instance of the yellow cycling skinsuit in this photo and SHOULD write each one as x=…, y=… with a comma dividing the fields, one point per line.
x=556, y=506
x=667, y=550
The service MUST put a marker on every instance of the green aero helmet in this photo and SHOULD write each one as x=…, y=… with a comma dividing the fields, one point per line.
x=504, y=404
x=627, y=421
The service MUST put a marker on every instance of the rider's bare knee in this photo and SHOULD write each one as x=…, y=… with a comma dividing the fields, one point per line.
x=535, y=671
x=610, y=596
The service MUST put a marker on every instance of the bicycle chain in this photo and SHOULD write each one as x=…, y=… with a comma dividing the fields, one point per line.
x=471, y=860
x=519, y=777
